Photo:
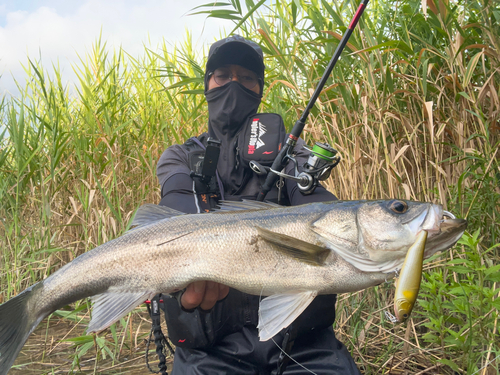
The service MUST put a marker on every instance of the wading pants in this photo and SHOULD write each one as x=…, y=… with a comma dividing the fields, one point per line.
x=241, y=353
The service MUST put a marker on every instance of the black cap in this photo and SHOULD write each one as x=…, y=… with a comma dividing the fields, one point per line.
x=236, y=50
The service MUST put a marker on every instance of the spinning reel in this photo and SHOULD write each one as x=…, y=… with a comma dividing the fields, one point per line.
x=322, y=159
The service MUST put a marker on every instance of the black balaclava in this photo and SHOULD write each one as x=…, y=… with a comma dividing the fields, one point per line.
x=230, y=105
x=228, y=108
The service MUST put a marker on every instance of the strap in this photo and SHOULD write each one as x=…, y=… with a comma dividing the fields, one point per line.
x=159, y=338
x=288, y=341
x=219, y=182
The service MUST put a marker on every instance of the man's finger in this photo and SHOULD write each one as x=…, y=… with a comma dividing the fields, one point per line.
x=223, y=291
x=211, y=296
x=193, y=295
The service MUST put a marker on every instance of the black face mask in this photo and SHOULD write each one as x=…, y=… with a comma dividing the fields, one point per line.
x=228, y=108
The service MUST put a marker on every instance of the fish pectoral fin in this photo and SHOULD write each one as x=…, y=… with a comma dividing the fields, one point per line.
x=111, y=306
x=280, y=310
x=301, y=250
x=151, y=213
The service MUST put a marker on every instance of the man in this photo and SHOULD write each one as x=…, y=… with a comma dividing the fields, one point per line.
x=214, y=327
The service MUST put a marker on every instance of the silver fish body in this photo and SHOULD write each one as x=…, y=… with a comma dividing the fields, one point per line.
x=289, y=253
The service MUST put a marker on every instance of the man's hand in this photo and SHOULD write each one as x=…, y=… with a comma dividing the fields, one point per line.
x=203, y=294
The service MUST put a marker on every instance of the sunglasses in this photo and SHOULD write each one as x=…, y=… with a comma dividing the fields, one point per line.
x=223, y=76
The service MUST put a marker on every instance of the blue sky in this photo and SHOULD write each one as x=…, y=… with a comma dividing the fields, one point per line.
x=57, y=31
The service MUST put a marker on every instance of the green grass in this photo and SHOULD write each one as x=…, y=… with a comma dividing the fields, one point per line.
x=413, y=106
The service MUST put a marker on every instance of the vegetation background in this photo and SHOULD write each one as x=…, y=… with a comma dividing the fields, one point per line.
x=413, y=106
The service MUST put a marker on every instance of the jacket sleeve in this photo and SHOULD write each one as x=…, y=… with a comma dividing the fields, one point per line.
x=177, y=187
x=178, y=193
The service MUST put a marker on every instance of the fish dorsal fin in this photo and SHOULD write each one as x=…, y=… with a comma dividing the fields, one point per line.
x=280, y=310
x=245, y=205
x=151, y=213
x=301, y=250
x=113, y=305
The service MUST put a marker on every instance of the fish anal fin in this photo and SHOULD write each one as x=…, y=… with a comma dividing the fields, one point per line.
x=280, y=310
x=111, y=306
x=301, y=250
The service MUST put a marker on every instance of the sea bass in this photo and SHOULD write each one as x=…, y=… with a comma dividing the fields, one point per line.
x=290, y=254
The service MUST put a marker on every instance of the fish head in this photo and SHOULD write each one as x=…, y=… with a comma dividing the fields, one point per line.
x=386, y=229
x=376, y=236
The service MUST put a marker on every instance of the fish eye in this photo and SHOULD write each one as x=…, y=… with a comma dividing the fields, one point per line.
x=399, y=207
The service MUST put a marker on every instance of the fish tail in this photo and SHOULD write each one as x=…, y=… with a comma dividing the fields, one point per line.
x=17, y=320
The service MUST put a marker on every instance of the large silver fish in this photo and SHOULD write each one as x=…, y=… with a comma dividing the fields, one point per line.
x=290, y=254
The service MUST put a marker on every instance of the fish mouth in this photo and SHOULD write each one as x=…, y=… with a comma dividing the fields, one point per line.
x=435, y=221
x=451, y=223
x=450, y=230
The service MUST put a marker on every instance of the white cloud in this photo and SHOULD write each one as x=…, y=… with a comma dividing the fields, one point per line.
x=59, y=35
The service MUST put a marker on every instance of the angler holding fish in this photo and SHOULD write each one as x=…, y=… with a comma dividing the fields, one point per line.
x=208, y=334
x=251, y=271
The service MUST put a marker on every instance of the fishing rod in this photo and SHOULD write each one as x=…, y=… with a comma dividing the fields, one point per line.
x=323, y=158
